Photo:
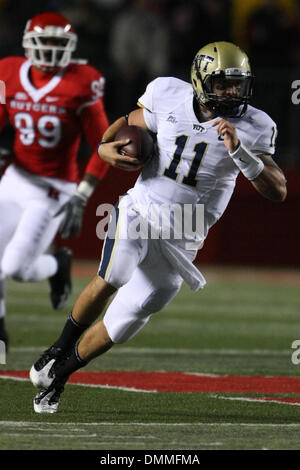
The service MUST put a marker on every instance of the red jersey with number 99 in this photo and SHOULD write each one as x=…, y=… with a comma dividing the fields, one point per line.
x=49, y=119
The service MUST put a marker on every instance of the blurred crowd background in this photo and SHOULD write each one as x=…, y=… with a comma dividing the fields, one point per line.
x=133, y=41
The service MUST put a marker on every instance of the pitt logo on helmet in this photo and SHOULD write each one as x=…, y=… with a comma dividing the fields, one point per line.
x=206, y=58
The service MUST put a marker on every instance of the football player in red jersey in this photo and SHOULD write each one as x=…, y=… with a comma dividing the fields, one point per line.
x=50, y=101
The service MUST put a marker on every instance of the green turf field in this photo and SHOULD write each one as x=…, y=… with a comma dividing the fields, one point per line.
x=242, y=324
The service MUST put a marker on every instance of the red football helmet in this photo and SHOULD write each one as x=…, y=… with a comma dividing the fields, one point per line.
x=49, y=41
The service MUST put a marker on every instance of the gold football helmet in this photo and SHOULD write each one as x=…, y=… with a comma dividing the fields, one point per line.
x=221, y=66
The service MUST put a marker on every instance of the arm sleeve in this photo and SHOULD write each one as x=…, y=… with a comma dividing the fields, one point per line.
x=3, y=116
x=94, y=123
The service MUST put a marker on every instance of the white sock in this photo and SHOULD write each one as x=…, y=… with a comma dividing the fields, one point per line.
x=2, y=295
x=44, y=267
x=2, y=308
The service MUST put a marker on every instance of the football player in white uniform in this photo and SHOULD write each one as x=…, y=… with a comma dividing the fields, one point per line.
x=206, y=134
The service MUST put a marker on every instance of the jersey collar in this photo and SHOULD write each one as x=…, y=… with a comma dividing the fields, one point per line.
x=38, y=93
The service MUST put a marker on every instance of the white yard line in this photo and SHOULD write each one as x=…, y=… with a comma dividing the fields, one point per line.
x=126, y=389
x=180, y=351
x=41, y=424
x=63, y=436
x=9, y=377
x=115, y=387
x=257, y=400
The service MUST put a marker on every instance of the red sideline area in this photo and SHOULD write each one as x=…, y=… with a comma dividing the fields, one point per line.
x=179, y=381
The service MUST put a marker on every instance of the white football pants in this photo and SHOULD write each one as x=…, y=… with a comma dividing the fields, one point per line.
x=146, y=281
x=27, y=226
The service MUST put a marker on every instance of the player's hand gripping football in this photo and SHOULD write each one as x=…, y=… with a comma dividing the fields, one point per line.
x=228, y=132
x=109, y=152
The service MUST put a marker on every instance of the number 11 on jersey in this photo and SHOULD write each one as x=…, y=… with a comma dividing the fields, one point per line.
x=199, y=149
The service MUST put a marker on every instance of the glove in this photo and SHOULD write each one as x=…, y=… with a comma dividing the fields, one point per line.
x=74, y=208
x=73, y=216
x=5, y=156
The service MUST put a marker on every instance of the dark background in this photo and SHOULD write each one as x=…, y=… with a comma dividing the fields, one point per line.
x=131, y=42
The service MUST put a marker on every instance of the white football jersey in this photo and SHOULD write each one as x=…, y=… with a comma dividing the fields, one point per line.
x=193, y=166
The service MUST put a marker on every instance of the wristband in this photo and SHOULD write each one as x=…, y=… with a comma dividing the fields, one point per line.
x=85, y=190
x=100, y=143
x=249, y=164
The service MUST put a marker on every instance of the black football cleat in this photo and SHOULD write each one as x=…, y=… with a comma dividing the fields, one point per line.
x=47, y=400
x=42, y=373
x=60, y=283
x=4, y=334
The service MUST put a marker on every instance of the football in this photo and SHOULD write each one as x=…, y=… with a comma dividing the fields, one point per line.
x=141, y=145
